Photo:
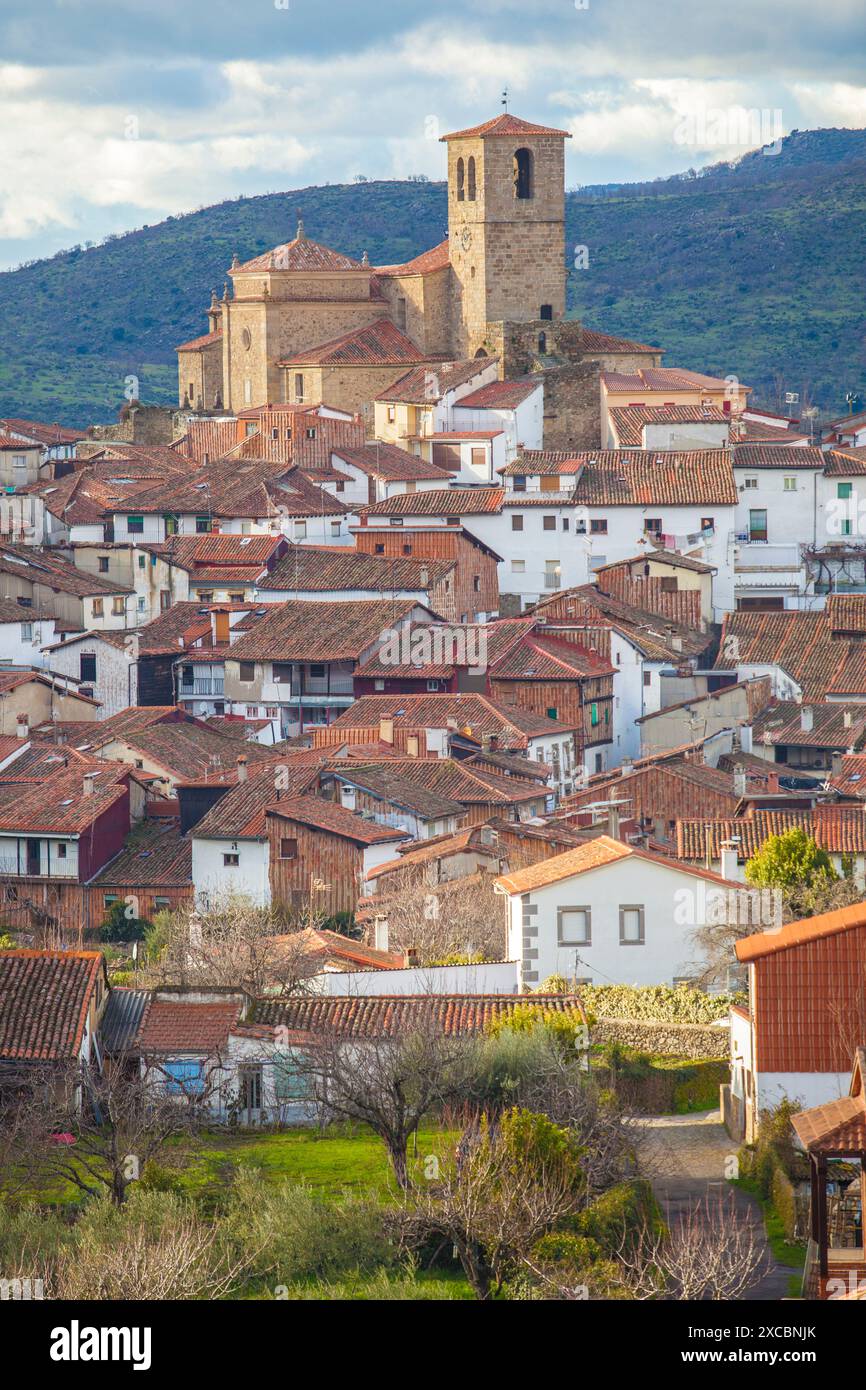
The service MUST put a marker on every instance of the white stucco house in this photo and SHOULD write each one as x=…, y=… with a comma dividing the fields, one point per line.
x=608, y=913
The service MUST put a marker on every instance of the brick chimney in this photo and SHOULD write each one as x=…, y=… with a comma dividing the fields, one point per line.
x=89, y=781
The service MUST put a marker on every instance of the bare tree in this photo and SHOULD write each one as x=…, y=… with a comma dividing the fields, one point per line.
x=463, y=917
x=712, y=1253
x=188, y=1260
x=234, y=944
x=94, y=1131
x=389, y=1082
x=511, y=1183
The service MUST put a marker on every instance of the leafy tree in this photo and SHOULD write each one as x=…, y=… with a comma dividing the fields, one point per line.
x=784, y=861
x=117, y=926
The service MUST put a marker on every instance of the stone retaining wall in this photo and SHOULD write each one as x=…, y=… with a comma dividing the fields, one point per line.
x=695, y=1040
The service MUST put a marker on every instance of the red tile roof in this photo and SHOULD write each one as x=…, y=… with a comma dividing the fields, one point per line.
x=312, y=568
x=204, y=341
x=687, y=478
x=500, y=395
x=389, y=461
x=328, y=631
x=593, y=341
x=772, y=455
x=319, y=814
x=595, y=854
x=156, y=855
x=836, y=829
x=299, y=254
x=506, y=125
x=387, y=1015
x=629, y=420
x=442, y=502
x=379, y=344
x=427, y=263
x=170, y=1026
x=44, y=1000
x=429, y=383
x=47, y=435
x=768, y=943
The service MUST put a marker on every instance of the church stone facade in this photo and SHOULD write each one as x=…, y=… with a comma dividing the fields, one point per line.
x=304, y=323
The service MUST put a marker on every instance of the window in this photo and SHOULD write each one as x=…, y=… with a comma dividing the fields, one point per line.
x=26, y=632
x=317, y=672
x=61, y=850
x=432, y=686
x=552, y=574
x=553, y=712
x=142, y=561
x=135, y=525
x=231, y=861
x=593, y=714
x=653, y=524
x=162, y=904
x=519, y=483
x=252, y=711
x=516, y=521
x=335, y=526
x=288, y=848
x=598, y=526
x=104, y=563
x=631, y=925
x=708, y=523
x=202, y=525
x=574, y=926
x=183, y=1077
x=118, y=607
x=647, y=677
x=311, y=432
x=299, y=386
x=289, y=1083
x=378, y=685
x=789, y=484
x=542, y=343
x=392, y=414
x=396, y=520
x=300, y=530
x=250, y=1086
x=87, y=666
x=565, y=523
x=470, y=179
x=518, y=566
x=401, y=313
x=750, y=482
x=843, y=491
x=546, y=311
x=379, y=548
x=548, y=523
x=758, y=524
x=461, y=181
x=108, y=899
x=247, y=672
x=523, y=173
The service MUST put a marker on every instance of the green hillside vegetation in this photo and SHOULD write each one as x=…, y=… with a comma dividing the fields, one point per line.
x=755, y=268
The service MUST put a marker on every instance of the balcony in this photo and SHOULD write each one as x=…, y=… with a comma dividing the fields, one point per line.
x=756, y=554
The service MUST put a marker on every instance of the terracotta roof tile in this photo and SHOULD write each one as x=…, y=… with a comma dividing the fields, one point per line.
x=379, y=344
x=44, y=1000
x=389, y=1015
x=505, y=125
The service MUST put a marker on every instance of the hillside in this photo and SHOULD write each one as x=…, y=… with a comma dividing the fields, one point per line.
x=755, y=267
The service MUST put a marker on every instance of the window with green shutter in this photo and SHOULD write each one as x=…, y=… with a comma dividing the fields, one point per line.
x=289, y=1083
x=593, y=714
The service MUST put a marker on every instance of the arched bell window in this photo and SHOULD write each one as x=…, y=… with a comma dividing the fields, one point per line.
x=461, y=175
x=523, y=173
x=470, y=179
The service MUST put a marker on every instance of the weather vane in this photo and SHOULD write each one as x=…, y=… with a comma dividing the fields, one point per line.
x=505, y=97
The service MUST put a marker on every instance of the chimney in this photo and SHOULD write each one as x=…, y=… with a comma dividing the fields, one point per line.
x=746, y=738
x=22, y=727
x=807, y=718
x=242, y=767
x=740, y=781
x=677, y=643
x=386, y=730
x=847, y=719
x=836, y=765
x=626, y=767
x=380, y=933
x=89, y=779
x=613, y=822
x=412, y=746
x=410, y=956
x=729, y=864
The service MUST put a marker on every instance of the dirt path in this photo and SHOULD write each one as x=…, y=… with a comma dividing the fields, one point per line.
x=689, y=1159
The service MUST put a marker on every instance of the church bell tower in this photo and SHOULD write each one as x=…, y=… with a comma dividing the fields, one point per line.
x=506, y=227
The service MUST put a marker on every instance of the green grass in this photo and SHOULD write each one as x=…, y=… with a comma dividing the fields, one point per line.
x=334, y=1163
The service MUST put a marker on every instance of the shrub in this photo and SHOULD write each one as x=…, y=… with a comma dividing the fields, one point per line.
x=620, y=1216
x=657, y=1003
x=288, y=1233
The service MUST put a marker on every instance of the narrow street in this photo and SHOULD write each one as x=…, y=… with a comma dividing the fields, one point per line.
x=688, y=1159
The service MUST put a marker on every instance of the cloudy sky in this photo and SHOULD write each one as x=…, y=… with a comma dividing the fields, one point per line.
x=116, y=113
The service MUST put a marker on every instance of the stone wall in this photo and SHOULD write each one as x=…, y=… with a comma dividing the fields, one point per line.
x=695, y=1040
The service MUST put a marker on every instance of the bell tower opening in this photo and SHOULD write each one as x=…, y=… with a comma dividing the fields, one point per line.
x=523, y=173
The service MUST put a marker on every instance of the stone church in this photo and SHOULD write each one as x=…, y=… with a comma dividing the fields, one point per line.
x=304, y=324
